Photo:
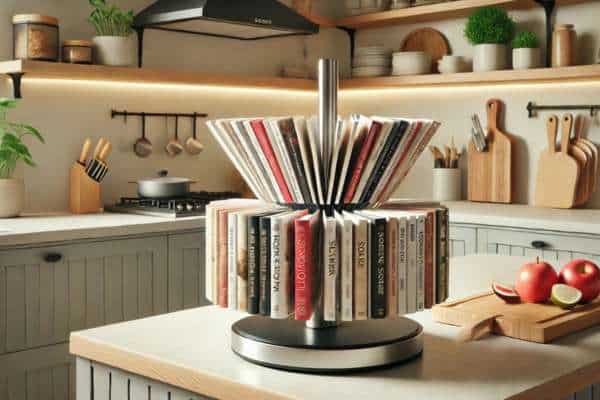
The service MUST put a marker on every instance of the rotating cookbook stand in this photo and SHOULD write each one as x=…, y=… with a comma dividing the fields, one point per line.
x=317, y=345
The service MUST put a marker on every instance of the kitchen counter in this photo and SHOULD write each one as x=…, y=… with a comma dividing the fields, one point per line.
x=34, y=229
x=190, y=350
x=525, y=217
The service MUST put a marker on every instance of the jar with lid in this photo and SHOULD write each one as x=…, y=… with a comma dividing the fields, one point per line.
x=564, y=42
x=77, y=51
x=35, y=37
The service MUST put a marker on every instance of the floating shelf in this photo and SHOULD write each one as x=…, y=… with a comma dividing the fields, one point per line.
x=38, y=69
x=436, y=12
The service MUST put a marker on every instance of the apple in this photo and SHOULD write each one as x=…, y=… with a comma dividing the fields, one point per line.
x=583, y=275
x=535, y=281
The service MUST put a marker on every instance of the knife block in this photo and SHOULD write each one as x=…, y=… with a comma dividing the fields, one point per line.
x=84, y=192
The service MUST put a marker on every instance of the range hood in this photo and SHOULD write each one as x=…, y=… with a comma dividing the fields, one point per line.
x=234, y=19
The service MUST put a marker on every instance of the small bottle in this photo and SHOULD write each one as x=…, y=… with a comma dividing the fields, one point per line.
x=564, y=44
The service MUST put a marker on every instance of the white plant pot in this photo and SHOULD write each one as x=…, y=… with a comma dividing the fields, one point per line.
x=526, y=58
x=117, y=51
x=12, y=197
x=489, y=57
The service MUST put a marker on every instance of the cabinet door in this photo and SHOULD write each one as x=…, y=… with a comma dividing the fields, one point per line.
x=463, y=240
x=186, y=271
x=92, y=284
x=550, y=246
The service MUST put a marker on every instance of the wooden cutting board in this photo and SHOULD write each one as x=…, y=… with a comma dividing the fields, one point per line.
x=584, y=160
x=539, y=323
x=490, y=172
x=428, y=40
x=558, y=173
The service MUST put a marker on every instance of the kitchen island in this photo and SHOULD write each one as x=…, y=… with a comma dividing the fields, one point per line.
x=187, y=354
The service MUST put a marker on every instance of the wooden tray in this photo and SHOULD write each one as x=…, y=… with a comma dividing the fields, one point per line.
x=539, y=323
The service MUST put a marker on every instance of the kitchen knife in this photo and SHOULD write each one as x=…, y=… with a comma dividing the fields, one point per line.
x=84, y=152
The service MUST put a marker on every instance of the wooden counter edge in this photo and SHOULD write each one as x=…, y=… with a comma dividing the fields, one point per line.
x=168, y=373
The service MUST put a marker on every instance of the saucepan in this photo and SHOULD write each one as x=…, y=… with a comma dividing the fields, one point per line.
x=163, y=186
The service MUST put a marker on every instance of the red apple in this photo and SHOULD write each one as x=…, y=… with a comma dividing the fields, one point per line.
x=583, y=275
x=535, y=281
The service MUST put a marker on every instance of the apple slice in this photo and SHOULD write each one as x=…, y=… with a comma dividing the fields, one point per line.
x=506, y=293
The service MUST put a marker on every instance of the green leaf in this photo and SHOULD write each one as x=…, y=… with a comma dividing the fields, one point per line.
x=8, y=103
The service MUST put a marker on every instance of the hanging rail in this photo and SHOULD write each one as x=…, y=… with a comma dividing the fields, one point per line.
x=125, y=114
x=532, y=108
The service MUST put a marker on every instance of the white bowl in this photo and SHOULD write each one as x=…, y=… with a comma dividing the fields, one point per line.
x=452, y=65
x=411, y=63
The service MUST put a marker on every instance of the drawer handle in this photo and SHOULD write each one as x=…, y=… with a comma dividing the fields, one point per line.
x=52, y=257
x=539, y=244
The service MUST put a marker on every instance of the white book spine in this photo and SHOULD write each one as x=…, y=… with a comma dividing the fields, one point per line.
x=402, y=265
x=420, y=263
x=361, y=270
x=411, y=256
x=277, y=289
x=208, y=270
x=346, y=268
x=231, y=261
x=331, y=275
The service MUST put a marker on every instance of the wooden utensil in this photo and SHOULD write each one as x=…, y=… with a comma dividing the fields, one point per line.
x=428, y=40
x=539, y=323
x=490, y=172
x=192, y=144
x=592, y=151
x=102, y=158
x=143, y=147
x=557, y=176
x=85, y=149
x=174, y=147
x=580, y=155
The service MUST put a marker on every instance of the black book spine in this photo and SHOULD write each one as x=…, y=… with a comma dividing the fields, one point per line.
x=389, y=149
x=264, y=305
x=253, y=264
x=378, y=257
x=291, y=143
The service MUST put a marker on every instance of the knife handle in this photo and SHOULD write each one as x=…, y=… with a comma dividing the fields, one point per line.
x=105, y=151
x=99, y=147
x=84, y=151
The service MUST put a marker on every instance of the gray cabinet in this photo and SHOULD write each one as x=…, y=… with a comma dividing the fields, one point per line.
x=463, y=240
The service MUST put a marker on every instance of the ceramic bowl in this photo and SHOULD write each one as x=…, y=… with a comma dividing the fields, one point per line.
x=452, y=65
x=411, y=63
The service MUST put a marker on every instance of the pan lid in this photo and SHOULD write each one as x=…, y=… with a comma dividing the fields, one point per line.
x=163, y=178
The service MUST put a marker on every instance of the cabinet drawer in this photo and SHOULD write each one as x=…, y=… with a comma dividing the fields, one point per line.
x=463, y=240
x=548, y=246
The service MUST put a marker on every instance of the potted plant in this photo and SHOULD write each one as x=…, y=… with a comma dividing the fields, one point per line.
x=526, y=52
x=490, y=29
x=13, y=150
x=114, y=44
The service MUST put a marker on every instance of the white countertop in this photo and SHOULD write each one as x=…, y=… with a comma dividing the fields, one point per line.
x=526, y=217
x=45, y=228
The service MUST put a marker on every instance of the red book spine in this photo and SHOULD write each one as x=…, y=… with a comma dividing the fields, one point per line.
x=222, y=260
x=262, y=137
x=429, y=281
x=303, y=270
x=362, y=160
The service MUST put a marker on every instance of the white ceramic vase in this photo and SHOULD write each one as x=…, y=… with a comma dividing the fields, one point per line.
x=447, y=184
x=12, y=197
x=526, y=58
x=489, y=57
x=116, y=51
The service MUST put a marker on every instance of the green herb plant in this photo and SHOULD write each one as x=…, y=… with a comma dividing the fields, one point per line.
x=109, y=20
x=12, y=149
x=489, y=25
x=525, y=40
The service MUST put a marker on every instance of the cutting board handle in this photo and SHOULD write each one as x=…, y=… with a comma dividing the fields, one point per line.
x=567, y=127
x=552, y=129
x=494, y=108
x=478, y=329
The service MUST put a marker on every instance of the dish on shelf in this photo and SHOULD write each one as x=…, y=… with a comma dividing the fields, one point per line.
x=364, y=72
x=452, y=65
x=411, y=63
x=372, y=61
x=371, y=51
x=360, y=7
x=399, y=4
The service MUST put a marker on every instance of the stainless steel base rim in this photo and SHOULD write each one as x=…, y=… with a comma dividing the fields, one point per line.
x=319, y=360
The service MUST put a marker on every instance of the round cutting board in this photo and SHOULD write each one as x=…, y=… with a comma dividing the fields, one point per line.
x=428, y=40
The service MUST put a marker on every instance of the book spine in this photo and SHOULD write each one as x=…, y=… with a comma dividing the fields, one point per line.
x=253, y=264
x=378, y=259
x=331, y=275
x=303, y=271
x=293, y=147
x=264, y=303
x=391, y=278
x=445, y=254
x=411, y=257
x=261, y=134
x=429, y=272
x=209, y=271
x=278, y=294
x=420, y=263
x=361, y=161
x=231, y=261
x=402, y=265
x=222, y=260
x=242, y=263
x=361, y=272
x=347, y=275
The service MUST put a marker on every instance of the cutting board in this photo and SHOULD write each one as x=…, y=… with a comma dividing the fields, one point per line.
x=428, y=40
x=558, y=172
x=539, y=323
x=490, y=172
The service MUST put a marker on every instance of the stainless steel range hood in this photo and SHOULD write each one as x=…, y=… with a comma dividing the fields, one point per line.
x=235, y=19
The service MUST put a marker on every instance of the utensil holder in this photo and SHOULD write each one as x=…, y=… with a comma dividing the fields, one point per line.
x=447, y=184
x=84, y=192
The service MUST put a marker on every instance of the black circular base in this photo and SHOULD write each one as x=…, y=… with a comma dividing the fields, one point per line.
x=351, y=346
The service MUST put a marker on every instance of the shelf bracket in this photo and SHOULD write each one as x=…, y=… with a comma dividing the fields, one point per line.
x=16, y=82
x=549, y=7
x=352, y=36
x=140, y=37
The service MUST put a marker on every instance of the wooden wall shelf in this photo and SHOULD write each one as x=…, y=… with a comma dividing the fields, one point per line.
x=436, y=12
x=36, y=69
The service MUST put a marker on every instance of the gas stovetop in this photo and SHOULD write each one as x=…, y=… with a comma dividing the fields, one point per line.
x=192, y=205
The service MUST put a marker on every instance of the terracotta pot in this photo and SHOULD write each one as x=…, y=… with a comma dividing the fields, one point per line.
x=117, y=51
x=489, y=57
x=526, y=58
x=12, y=197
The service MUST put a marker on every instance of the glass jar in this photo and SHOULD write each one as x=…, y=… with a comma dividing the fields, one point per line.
x=35, y=37
x=77, y=51
x=564, y=42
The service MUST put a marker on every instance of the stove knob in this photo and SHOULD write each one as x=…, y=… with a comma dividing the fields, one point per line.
x=189, y=207
x=179, y=207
